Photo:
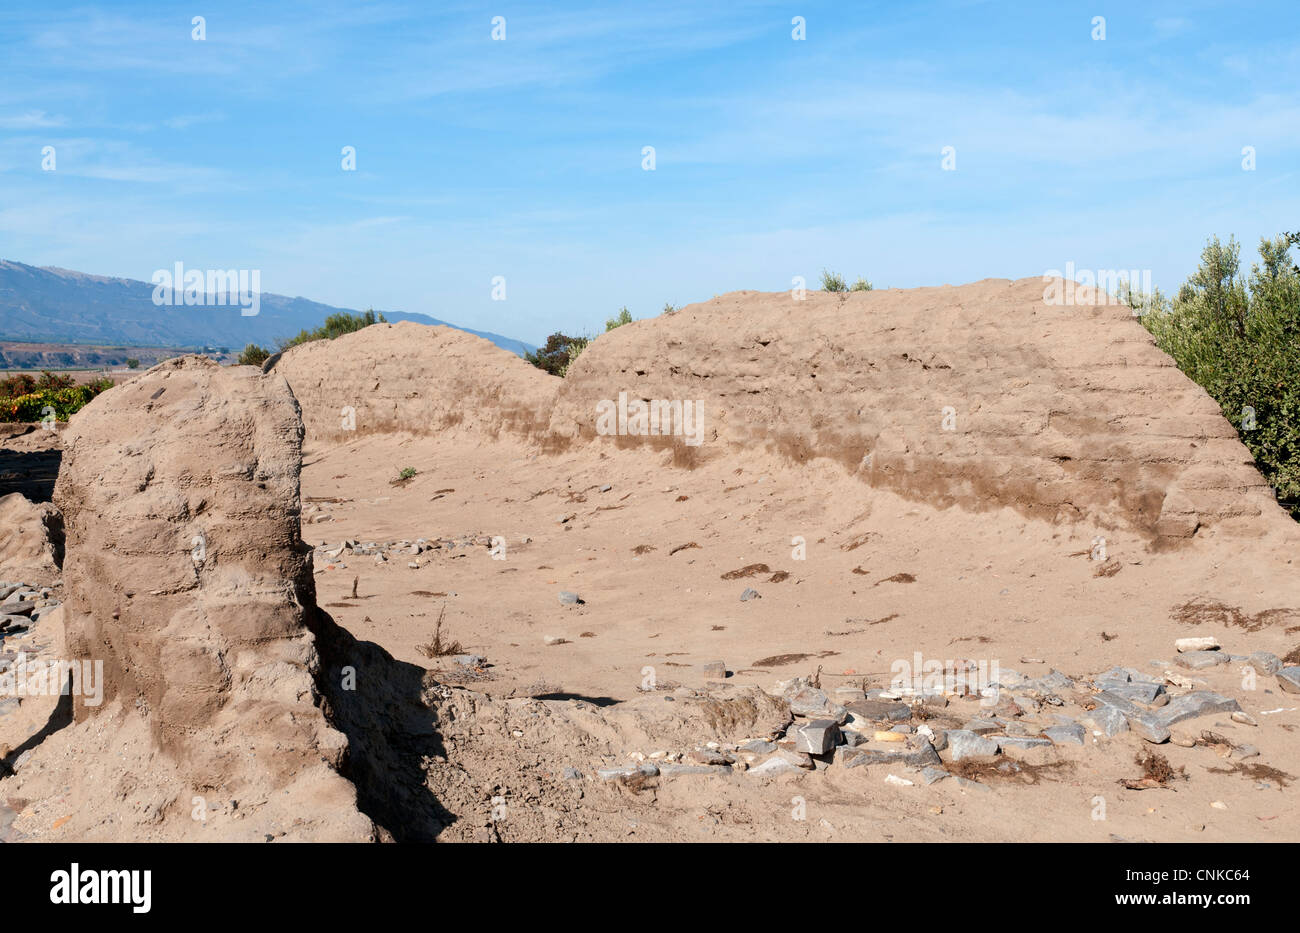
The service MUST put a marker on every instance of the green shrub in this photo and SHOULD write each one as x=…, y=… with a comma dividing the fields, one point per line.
x=1238, y=338
x=833, y=282
x=132, y=363
x=558, y=352
x=253, y=355
x=336, y=325
x=623, y=317
x=861, y=285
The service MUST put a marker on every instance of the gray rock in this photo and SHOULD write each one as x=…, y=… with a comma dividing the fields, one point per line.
x=1200, y=703
x=758, y=746
x=1020, y=741
x=817, y=737
x=968, y=784
x=921, y=757
x=18, y=608
x=571, y=774
x=715, y=670
x=470, y=660
x=569, y=599
x=1144, y=723
x=774, y=765
x=626, y=771
x=1200, y=660
x=1072, y=734
x=982, y=726
x=810, y=701
x=1107, y=719
x=673, y=769
x=879, y=710
x=964, y=744
x=1266, y=662
x=1288, y=678
x=933, y=775
x=1048, y=683
x=750, y=593
x=852, y=739
x=1138, y=691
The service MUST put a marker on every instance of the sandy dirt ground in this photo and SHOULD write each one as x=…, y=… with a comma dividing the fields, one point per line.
x=880, y=579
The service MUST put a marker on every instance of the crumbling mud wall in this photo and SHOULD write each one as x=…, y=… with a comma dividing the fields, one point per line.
x=417, y=378
x=982, y=396
x=185, y=573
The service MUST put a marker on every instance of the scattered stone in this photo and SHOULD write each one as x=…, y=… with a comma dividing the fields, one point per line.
x=1071, y=734
x=982, y=726
x=921, y=757
x=627, y=771
x=964, y=744
x=810, y=701
x=1245, y=751
x=1200, y=660
x=1205, y=643
x=1108, y=720
x=571, y=774
x=715, y=670
x=554, y=640
x=570, y=599
x=898, y=781
x=817, y=737
x=676, y=770
x=750, y=593
x=1265, y=661
x=1200, y=703
x=879, y=711
x=1027, y=704
x=470, y=660
x=968, y=784
x=774, y=765
x=708, y=756
x=1021, y=742
x=1144, y=723
x=1138, y=691
x=1288, y=678
x=1244, y=718
x=758, y=746
x=933, y=775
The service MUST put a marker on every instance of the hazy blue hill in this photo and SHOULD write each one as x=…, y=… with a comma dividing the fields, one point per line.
x=59, y=306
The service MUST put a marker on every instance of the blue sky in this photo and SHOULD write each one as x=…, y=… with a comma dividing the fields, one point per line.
x=522, y=158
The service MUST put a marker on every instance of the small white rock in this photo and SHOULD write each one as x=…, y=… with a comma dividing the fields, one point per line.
x=1205, y=643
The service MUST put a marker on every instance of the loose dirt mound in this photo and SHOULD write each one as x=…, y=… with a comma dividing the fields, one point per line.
x=412, y=377
x=187, y=577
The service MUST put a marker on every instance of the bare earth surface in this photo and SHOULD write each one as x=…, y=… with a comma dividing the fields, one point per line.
x=1088, y=508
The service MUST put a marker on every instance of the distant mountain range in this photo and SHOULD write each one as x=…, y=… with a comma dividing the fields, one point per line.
x=50, y=305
